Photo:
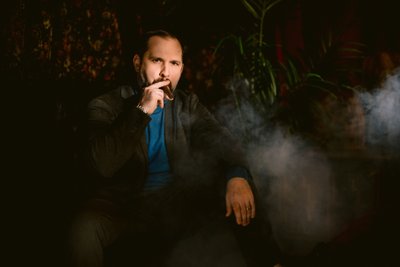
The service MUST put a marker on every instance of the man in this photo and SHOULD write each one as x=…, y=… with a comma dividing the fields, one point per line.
x=159, y=154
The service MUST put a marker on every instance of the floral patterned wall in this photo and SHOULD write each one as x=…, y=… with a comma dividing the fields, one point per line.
x=70, y=39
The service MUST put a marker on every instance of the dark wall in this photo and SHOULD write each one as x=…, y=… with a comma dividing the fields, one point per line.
x=44, y=112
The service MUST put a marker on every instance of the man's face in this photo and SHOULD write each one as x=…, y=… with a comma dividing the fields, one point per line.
x=162, y=61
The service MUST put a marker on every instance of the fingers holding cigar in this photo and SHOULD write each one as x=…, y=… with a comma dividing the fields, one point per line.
x=165, y=85
x=168, y=92
x=166, y=89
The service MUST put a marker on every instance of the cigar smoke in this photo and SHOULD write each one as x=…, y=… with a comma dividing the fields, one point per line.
x=382, y=107
x=295, y=179
x=312, y=196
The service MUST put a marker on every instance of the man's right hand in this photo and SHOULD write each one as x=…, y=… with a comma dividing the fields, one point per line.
x=153, y=96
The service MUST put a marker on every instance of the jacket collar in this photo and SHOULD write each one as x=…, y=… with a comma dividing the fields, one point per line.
x=127, y=91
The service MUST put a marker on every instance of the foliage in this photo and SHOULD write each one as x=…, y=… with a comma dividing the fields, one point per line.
x=295, y=85
x=332, y=72
x=251, y=54
x=76, y=40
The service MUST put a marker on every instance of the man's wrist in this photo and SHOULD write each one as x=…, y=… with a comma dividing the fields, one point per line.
x=141, y=108
x=237, y=171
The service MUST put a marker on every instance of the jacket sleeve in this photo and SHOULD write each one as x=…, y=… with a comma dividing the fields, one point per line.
x=216, y=141
x=113, y=136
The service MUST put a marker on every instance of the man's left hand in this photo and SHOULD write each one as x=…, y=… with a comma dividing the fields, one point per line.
x=240, y=199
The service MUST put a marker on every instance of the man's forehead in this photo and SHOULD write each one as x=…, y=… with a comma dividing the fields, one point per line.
x=168, y=45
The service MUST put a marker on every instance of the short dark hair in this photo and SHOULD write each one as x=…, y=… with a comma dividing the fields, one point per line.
x=143, y=43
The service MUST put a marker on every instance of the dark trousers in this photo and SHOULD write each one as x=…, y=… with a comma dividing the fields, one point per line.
x=143, y=232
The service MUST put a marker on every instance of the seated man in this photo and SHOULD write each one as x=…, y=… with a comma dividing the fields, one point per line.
x=161, y=160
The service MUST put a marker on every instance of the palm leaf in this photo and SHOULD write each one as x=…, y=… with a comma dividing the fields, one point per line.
x=251, y=9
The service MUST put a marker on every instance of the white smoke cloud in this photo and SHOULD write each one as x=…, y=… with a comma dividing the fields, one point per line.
x=382, y=108
x=311, y=196
x=301, y=196
x=294, y=178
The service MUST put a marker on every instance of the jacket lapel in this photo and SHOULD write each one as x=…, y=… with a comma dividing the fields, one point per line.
x=169, y=129
x=131, y=98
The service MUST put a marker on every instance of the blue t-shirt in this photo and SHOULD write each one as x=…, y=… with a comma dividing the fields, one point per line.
x=159, y=169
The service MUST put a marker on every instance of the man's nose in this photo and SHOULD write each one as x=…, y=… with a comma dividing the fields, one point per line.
x=165, y=71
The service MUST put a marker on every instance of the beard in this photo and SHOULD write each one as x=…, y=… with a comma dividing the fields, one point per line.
x=144, y=82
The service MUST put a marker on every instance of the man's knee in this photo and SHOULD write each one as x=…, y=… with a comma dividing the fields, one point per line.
x=95, y=227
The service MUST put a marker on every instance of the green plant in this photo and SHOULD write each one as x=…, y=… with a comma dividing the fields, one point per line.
x=332, y=71
x=251, y=60
x=295, y=85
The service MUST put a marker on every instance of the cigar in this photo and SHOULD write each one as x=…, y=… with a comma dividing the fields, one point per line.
x=168, y=92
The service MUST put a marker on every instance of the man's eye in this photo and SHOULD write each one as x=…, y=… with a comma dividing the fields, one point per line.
x=155, y=60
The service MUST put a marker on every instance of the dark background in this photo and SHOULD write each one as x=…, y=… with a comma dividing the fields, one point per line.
x=43, y=111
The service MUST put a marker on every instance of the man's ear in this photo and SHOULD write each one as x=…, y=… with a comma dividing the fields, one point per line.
x=136, y=62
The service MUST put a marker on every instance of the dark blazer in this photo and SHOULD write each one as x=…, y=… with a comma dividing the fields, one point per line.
x=200, y=151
